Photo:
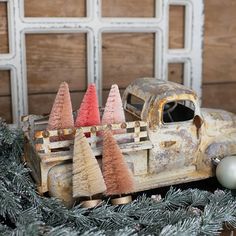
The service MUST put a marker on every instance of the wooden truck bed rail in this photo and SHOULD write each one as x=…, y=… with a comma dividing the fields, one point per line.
x=133, y=136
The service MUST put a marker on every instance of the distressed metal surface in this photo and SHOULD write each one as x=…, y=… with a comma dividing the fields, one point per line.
x=170, y=153
x=156, y=93
x=60, y=183
x=95, y=25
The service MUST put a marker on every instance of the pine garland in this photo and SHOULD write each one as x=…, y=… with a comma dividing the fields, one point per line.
x=180, y=212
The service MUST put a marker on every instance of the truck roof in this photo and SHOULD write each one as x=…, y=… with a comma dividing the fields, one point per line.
x=152, y=87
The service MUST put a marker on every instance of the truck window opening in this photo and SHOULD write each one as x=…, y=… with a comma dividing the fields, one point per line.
x=134, y=105
x=177, y=111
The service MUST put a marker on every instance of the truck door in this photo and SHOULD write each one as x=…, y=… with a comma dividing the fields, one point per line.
x=175, y=139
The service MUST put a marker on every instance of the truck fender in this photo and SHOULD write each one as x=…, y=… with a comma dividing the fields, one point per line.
x=60, y=183
x=221, y=147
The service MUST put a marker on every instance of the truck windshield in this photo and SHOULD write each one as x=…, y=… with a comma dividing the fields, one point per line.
x=177, y=111
x=134, y=105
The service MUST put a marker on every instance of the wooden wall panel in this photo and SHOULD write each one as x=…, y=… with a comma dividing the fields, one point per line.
x=5, y=84
x=52, y=59
x=42, y=103
x=55, y=8
x=176, y=72
x=128, y=8
x=221, y=95
x=220, y=41
x=105, y=95
x=125, y=57
x=5, y=96
x=219, y=70
x=176, y=26
x=4, y=45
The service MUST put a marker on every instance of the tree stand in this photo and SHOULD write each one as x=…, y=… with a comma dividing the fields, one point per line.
x=121, y=200
x=90, y=203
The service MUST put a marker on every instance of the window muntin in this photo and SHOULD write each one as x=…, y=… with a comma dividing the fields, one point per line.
x=178, y=111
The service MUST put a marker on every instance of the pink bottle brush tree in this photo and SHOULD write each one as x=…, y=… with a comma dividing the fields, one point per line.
x=88, y=114
x=61, y=116
x=113, y=112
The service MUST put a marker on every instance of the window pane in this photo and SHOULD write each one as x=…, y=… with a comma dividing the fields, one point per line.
x=55, y=8
x=4, y=44
x=134, y=105
x=128, y=8
x=176, y=26
x=5, y=96
x=126, y=57
x=176, y=72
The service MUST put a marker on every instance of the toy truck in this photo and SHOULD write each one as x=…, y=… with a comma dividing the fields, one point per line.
x=167, y=140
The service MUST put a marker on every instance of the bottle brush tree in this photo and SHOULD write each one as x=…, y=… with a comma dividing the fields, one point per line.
x=113, y=112
x=88, y=113
x=118, y=177
x=61, y=114
x=87, y=177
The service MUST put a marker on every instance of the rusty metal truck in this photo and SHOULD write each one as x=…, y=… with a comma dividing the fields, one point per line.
x=167, y=140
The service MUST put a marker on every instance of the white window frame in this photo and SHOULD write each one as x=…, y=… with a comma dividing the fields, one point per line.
x=95, y=25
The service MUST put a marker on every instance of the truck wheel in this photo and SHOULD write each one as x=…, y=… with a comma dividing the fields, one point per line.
x=226, y=172
x=60, y=183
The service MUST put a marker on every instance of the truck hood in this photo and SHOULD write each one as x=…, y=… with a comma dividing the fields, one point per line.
x=218, y=122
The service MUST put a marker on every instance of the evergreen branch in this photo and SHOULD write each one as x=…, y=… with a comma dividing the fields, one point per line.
x=199, y=198
x=182, y=228
x=106, y=217
x=176, y=198
x=62, y=231
x=9, y=203
x=5, y=230
x=122, y=232
x=54, y=212
x=78, y=218
x=34, y=229
x=29, y=215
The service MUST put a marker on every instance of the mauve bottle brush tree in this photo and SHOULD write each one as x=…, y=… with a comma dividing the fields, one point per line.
x=61, y=114
x=118, y=177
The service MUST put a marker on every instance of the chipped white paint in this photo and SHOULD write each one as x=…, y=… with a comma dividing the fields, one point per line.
x=95, y=25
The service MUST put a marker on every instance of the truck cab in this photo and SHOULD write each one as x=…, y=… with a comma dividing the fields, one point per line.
x=174, y=128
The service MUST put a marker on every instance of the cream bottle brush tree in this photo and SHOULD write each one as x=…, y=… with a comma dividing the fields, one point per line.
x=87, y=179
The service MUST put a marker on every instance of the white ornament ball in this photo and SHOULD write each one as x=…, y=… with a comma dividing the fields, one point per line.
x=226, y=172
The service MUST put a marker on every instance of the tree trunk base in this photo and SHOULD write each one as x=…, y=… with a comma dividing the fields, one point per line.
x=121, y=200
x=90, y=203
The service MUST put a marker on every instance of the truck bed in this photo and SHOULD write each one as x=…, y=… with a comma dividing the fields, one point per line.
x=41, y=153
